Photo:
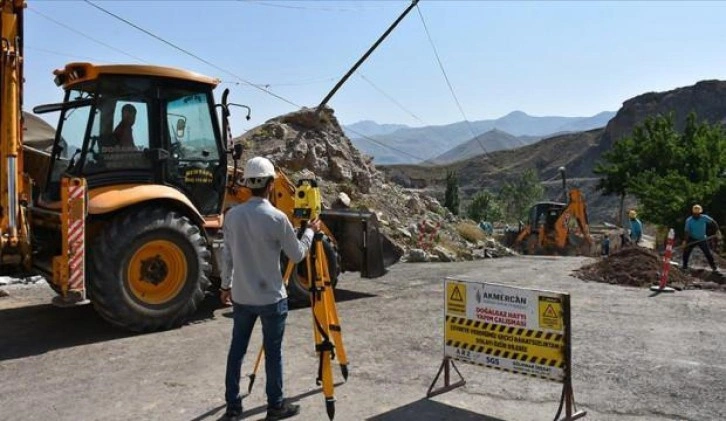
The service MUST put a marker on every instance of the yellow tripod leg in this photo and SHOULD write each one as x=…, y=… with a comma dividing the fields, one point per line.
x=334, y=326
x=254, y=371
x=324, y=347
x=285, y=278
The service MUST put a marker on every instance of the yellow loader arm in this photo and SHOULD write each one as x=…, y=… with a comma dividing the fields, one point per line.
x=573, y=222
x=355, y=233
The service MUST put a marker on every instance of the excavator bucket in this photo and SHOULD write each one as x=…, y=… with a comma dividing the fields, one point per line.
x=361, y=246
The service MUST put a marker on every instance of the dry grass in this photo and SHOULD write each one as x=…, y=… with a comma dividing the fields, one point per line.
x=470, y=232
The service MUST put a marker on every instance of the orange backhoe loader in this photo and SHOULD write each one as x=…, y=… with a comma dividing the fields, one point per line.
x=556, y=228
x=127, y=205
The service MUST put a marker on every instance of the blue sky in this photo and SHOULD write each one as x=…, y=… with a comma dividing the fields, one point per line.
x=544, y=58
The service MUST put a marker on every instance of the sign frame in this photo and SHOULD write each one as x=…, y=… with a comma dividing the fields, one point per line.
x=550, y=331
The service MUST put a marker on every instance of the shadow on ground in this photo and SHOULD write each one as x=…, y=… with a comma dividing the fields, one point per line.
x=428, y=410
x=341, y=296
x=37, y=329
x=214, y=413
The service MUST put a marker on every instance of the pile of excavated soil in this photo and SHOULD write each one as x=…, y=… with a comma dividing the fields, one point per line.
x=305, y=143
x=632, y=266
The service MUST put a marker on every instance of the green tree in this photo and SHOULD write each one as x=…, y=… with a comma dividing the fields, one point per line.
x=484, y=207
x=451, y=197
x=668, y=171
x=519, y=195
x=615, y=169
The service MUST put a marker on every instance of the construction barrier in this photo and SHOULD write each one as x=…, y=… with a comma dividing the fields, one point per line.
x=517, y=330
x=666, y=263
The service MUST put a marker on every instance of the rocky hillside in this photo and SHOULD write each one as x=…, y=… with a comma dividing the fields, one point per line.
x=706, y=98
x=305, y=141
x=578, y=152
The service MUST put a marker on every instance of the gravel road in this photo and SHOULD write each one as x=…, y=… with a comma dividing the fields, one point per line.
x=636, y=356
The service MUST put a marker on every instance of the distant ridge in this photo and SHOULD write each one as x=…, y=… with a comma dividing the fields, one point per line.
x=430, y=142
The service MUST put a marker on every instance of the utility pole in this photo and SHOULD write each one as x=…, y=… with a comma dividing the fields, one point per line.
x=365, y=56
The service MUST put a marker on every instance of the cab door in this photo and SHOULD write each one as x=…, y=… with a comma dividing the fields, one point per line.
x=196, y=164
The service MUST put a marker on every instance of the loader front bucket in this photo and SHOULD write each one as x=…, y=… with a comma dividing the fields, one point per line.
x=361, y=246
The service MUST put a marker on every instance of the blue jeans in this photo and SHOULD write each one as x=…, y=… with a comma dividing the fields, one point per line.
x=273, y=318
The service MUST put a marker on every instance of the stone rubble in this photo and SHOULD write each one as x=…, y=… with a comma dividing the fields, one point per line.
x=305, y=142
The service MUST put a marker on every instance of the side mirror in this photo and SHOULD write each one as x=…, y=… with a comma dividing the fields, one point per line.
x=237, y=151
x=181, y=125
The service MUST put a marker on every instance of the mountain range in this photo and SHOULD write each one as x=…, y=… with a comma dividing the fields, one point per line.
x=401, y=144
x=578, y=152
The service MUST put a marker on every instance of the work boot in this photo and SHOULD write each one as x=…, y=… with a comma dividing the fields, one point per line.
x=285, y=410
x=232, y=414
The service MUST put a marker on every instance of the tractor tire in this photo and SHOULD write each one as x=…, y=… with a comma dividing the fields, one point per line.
x=148, y=270
x=298, y=286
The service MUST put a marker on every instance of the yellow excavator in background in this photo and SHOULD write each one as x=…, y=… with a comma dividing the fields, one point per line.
x=556, y=228
x=125, y=209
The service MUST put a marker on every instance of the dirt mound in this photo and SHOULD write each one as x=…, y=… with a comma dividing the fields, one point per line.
x=632, y=266
x=306, y=141
x=641, y=267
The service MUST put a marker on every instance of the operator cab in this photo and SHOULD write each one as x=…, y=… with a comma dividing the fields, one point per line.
x=131, y=124
x=545, y=214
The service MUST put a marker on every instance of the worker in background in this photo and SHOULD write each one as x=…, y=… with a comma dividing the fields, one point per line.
x=123, y=133
x=255, y=233
x=487, y=227
x=695, y=235
x=605, y=245
x=636, y=227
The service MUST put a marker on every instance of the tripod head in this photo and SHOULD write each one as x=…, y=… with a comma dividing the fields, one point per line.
x=308, y=203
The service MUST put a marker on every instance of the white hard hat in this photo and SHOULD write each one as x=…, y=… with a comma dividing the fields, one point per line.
x=257, y=171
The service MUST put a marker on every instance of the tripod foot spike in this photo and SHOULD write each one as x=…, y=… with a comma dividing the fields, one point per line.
x=330, y=407
x=252, y=381
x=344, y=371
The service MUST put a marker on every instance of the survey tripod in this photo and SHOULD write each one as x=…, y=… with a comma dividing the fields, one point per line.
x=314, y=270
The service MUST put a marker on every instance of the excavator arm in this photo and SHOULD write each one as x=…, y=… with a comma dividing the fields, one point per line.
x=572, y=229
x=14, y=185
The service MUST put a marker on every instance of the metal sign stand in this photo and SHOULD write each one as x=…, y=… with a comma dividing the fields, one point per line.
x=446, y=365
x=567, y=401
x=568, y=396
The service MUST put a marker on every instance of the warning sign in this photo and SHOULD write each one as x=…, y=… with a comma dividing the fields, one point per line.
x=511, y=329
x=550, y=312
x=456, y=298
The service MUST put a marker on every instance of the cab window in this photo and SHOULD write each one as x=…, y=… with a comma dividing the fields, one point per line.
x=189, y=122
x=120, y=136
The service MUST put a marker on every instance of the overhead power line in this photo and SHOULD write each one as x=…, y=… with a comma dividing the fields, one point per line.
x=246, y=82
x=448, y=82
x=303, y=82
x=280, y=5
x=399, y=105
x=391, y=98
x=84, y=35
x=61, y=54
x=393, y=148
x=235, y=75
x=189, y=53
